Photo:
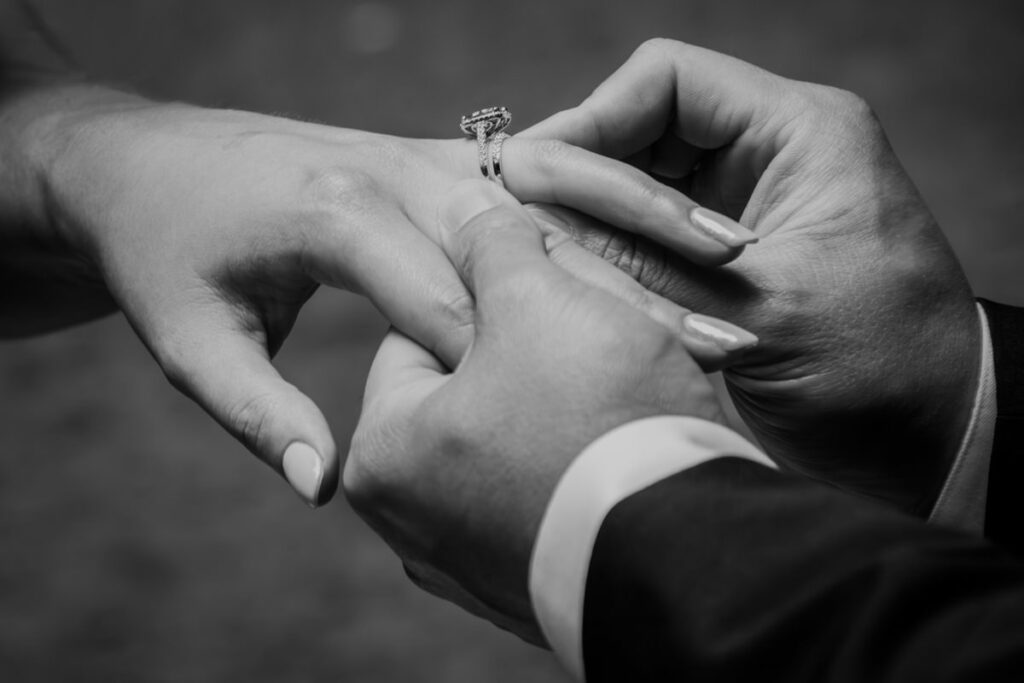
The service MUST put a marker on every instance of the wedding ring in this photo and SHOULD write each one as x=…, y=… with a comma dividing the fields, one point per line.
x=487, y=126
x=495, y=146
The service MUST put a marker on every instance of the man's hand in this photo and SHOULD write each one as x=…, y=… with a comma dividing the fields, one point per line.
x=868, y=358
x=454, y=470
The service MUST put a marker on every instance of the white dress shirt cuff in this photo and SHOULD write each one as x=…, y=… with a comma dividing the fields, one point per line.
x=624, y=461
x=961, y=503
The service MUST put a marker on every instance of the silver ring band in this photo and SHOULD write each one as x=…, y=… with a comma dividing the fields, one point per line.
x=495, y=168
x=486, y=125
x=482, y=150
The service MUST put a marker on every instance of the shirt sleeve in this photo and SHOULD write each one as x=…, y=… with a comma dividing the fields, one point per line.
x=624, y=461
x=961, y=503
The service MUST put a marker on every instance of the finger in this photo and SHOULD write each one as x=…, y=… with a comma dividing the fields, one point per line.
x=708, y=99
x=402, y=378
x=492, y=241
x=222, y=363
x=623, y=196
x=406, y=276
x=713, y=343
x=400, y=363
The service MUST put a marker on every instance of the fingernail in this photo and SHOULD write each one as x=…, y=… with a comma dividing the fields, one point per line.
x=467, y=200
x=721, y=228
x=304, y=470
x=725, y=336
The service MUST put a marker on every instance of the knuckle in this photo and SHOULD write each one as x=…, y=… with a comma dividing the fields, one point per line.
x=620, y=250
x=458, y=437
x=838, y=109
x=658, y=47
x=340, y=187
x=249, y=419
x=456, y=308
x=457, y=305
x=654, y=344
x=636, y=257
x=852, y=104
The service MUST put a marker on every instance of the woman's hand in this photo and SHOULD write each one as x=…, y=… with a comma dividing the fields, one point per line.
x=210, y=229
x=869, y=351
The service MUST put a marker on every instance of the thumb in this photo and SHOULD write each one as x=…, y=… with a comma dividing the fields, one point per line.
x=228, y=372
x=491, y=240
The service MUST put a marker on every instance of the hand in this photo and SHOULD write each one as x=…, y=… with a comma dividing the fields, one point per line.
x=210, y=229
x=869, y=342
x=455, y=470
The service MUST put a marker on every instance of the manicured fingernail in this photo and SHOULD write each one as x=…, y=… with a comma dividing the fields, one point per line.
x=304, y=470
x=467, y=200
x=721, y=228
x=725, y=336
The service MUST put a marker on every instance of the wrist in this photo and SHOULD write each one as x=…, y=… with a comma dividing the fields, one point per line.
x=44, y=129
x=500, y=575
x=947, y=414
x=81, y=134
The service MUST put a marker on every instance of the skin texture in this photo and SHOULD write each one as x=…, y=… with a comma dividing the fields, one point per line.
x=868, y=359
x=454, y=469
x=209, y=229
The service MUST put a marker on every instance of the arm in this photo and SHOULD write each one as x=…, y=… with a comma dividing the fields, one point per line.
x=1006, y=469
x=47, y=286
x=664, y=553
x=730, y=568
x=979, y=495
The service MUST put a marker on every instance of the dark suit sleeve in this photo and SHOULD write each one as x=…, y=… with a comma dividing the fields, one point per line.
x=1004, y=521
x=731, y=571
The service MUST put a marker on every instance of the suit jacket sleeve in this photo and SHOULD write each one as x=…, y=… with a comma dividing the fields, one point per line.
x=1006, y=469
x=731, y=571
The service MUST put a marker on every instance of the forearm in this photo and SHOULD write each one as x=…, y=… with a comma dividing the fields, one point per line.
x=48, y=280
x=32, y=73
x=730, y=568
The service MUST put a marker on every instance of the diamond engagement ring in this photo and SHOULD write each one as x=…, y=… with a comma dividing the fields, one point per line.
x=487, y=126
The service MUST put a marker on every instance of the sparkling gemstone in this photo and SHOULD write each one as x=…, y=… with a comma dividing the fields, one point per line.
x=493, y=120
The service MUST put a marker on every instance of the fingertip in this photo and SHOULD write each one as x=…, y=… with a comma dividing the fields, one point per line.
x=721, y=228
x=716, y=343
x=713, y=239
x=467, y=199
x=329, y=481
x=313, y=475
x=304, y=469
x=711, y=256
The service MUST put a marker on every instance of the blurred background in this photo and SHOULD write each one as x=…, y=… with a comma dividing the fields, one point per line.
x=140, y=543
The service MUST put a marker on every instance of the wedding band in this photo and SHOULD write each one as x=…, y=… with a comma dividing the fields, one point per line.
x=487, y=126
x=496, y=142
